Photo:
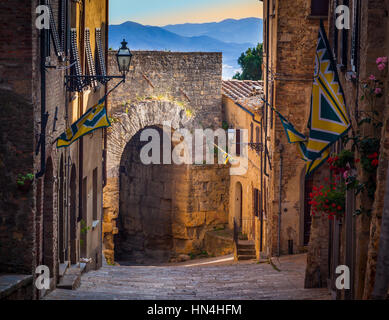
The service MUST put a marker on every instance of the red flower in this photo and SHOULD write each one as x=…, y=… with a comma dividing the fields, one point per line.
x=333, y=188
x=311, y=195
x=333, y=205
x=373, y=155
x=327, y=201
x=374, y=162
x=314, y=188
x=339, y=208
x=357, y=160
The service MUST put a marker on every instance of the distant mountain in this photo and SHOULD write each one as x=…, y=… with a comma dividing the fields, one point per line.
x=142, y=37
x=248, y=30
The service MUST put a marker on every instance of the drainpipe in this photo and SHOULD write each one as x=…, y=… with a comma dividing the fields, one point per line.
x=280, y=150
x=44, y=115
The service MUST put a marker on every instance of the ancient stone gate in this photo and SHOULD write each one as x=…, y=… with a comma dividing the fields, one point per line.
x=160, y=211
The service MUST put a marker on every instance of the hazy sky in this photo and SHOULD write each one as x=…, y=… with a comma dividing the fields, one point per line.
x=163, y=12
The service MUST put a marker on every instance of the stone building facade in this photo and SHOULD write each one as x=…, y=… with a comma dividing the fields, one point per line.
x=242, y=110
x=355, y=238
x=39, y=219
x=161, y=211
x=290, y=37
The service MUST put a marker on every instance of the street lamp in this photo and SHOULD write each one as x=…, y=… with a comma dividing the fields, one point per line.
x=79, y=82
x=124, y=57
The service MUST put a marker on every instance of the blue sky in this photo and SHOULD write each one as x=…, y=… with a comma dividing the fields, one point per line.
x=162, y=12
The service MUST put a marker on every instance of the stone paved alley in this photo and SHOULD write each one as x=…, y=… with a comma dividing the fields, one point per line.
x=225, y=280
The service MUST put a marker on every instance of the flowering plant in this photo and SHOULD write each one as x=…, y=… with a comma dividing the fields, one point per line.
x=329, y=198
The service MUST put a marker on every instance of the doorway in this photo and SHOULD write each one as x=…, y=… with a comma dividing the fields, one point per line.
x=238, y=205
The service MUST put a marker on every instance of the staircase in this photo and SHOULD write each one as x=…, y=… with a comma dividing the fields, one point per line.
x=245, y=250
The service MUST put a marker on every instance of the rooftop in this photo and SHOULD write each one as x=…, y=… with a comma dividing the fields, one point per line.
x=245, y=92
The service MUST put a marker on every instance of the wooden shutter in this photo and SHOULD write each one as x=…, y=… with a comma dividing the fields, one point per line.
x=101, y=70
x=238, y=137
x=75, y=60
x=89, y=58
x=54, y=33
x=355, y=37
x=319, y=8
x=63, y=24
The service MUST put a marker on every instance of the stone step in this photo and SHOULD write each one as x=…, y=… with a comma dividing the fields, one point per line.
x=62, y=268
x=249, y=251
x=71, y=280
x=246, y=257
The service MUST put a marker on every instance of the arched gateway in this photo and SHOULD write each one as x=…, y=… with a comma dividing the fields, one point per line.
x=157, y=212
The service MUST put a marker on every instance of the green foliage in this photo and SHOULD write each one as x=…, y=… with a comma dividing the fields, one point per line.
x=21, y=180
x=84, y=227
x=225, y=125
x=251, y=63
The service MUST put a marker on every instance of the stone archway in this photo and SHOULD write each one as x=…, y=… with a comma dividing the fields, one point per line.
x=146, y=196
x=126, y=125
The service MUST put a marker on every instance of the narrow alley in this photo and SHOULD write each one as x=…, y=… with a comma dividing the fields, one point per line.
x=186, y=281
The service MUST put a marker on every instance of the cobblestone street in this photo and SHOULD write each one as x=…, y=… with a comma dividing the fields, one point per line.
x=223, y=280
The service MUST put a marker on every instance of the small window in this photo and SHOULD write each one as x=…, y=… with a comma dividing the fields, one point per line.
x=257, y=138
x=238, y=142
x=256, y=202
x=319, y=8
x=95, y=197
x=251, y=132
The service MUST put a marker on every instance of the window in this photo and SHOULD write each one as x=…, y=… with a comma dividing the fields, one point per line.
x=251, y=132
x=238, y=139
x=256, y=197
x=95, y=198
x=355, y=36
x=319, y=8
x=257, y=138
x=85, y=199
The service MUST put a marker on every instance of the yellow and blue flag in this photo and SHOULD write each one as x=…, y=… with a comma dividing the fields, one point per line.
x=95, y=118
x=329, y=119
x=292, y=134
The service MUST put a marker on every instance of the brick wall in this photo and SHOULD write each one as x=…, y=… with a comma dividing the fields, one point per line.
x=17, y=208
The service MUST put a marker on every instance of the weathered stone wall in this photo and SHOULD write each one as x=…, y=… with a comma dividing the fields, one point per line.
x=193, y=79
x=183, y=89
